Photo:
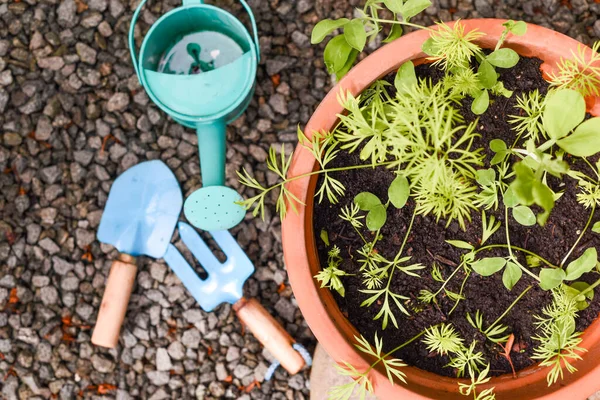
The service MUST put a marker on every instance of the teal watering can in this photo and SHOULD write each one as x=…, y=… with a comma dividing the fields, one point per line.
x=198, y=64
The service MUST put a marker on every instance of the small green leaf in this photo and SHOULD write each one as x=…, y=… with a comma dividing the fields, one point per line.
x=487, y=75
x=429, y=47
x=522, y=185
x=325, y=237
x=399, y=191
x=376, y=217
x=395, y=32
x=574, y=291
x=512, y=274
x=551, y=278
x=524, y=216
x=366, y=201
x=582, y=265
x=497, y=145
x=325, y=27
x=354, y=32
x=509, y=198
x=413, y=7
x=585, y=141
x=565, y=109
x=349, y=62
x=406, y=78
x=596, y=227
x=394, y=6
x=460, y=244
x=519, y=28
x=503, y=58
x=544, y=197
x=485, y=177
x=481, y=103
x=488, y=266
x=533, y=261
x=500, y=90
x=336, y=53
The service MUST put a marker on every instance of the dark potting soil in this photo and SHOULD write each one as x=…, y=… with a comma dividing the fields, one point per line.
x=426, y=245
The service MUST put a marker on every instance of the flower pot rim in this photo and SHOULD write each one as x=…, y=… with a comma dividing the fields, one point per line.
x=320, y=310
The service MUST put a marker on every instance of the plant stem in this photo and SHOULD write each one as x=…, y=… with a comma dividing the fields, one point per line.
x=512, y=257
x=531, y=253
x=461, y=291
x=580, y=236
x=388, y=21
x=409, y=341
x=412, y=219
x=449, y=278
x=592, y=167
x=592, y=287
x=507, y=310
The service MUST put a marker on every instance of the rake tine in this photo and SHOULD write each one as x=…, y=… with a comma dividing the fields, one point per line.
x=230, y=247
x=198, y=247
x=184, y=272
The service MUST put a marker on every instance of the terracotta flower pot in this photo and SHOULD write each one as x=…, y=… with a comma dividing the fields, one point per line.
x=331, y=328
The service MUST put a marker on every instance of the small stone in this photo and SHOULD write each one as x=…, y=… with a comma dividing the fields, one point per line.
x=40, y=281
x=176, y=350
x=83, y=157
x=84, y=310
x=84, y=237
x=6, y=77
x=118, y=102
x=158, y=378
x=216, y=389
x=12, y=139
x=29, y=336
x=105, y=29
x=102, y=364
x=191, y=338
x=300, y=39
x=163, y=361
x=158, y=271
x=86, y=53
x=66, y=13
x=48, y=245
x=51, y=63
x=5, y=345
x=49, y=295
x=484, y=8
x=285, y=309
x=44, y=128
x=241, y=371
x=221, y=371
x=70, y=283
x=597, y=28
x=258, y=153
x=233, y=353
x=278, y=103
x=50, y=174
x=277, y=64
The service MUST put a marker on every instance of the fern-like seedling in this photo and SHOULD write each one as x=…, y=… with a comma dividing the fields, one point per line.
x=329, y=277
x=443, y=339
x=580, y=73
x=492, y=333
x=452, y=48
x=559, y=343
x=529, y=123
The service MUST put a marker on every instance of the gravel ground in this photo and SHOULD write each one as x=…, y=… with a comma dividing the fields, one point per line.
x=74, y=117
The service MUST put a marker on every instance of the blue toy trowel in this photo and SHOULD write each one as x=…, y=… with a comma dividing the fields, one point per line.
x=225, y=284
x=142, y=209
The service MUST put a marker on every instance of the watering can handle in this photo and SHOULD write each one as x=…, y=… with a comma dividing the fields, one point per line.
x=136, y=15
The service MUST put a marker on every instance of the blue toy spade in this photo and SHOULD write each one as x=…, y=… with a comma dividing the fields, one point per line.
x=198, y=64
x=225, y=283
x=139, y=218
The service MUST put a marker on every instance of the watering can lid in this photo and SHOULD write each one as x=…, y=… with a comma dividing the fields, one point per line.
x=205, y=94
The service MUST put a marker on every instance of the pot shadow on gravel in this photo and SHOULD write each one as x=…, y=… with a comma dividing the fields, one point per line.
x=426, y=244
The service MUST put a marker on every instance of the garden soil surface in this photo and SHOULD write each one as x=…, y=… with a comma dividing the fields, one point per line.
x=426, y=245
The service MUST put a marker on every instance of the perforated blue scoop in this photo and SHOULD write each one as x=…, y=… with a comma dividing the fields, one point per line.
x=142, y=209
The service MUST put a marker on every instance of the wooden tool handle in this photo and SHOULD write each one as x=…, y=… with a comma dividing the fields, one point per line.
x=114, y=302
x=268, y=331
